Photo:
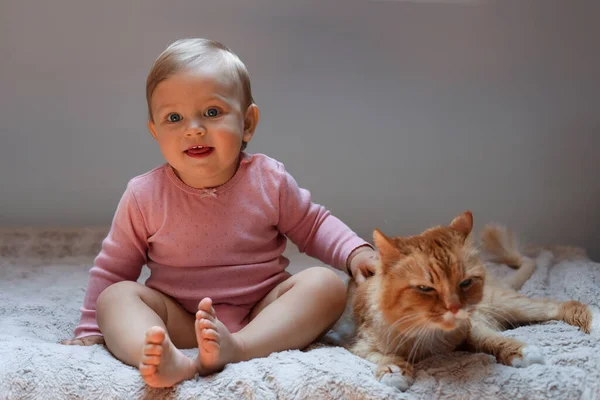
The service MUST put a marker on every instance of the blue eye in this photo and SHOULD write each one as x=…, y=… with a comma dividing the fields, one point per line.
x=212, y=112
x=174, y=117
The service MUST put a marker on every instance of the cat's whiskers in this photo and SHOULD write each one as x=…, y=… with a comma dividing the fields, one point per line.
x=414, y=350
x=488, y=320
x=392, y=328
x=404, y=319
x=403, y=337
x=406, y=336
x=441, y=336
x=420, y=342
x=491, y=309
x=417, y=335
x=433, y=334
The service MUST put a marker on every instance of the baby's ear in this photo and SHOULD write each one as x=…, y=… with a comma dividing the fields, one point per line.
x=388, y=252
x=463, y=224
x=251, y=118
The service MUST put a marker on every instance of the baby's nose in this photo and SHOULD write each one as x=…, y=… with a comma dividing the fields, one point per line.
x=195, y=128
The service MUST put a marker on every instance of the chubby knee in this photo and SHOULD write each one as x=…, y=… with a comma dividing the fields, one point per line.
x=327, y=285
x=115, y=293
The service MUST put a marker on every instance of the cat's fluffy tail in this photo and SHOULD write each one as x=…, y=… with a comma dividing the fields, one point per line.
x=502, y=247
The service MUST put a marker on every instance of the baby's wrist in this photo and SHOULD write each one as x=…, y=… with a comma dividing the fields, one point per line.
x=360, y=249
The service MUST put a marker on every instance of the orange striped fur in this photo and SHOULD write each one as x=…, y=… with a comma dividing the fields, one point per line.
x=430, y=295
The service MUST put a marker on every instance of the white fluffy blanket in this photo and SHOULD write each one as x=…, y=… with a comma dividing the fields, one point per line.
x=43, y=275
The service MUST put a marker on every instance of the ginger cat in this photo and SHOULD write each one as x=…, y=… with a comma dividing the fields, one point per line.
x=430, y=295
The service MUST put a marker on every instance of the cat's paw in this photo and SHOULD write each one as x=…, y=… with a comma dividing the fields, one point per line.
x=393, y=376
x=595, y=324
x=529, y=355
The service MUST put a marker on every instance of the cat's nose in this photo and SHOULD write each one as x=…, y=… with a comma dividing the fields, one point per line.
x=454, y=308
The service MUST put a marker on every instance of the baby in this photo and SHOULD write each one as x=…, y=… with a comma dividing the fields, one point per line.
x=212, y=224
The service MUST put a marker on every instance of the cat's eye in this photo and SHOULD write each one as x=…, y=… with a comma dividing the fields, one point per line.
x=174, y=117
x=425, y=289
x=466, y=283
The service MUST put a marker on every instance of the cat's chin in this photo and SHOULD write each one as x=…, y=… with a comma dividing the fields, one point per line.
x=449, y=322
x=449, y=326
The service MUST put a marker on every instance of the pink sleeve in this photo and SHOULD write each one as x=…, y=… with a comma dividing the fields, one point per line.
x=122, y=257
x=312, y=227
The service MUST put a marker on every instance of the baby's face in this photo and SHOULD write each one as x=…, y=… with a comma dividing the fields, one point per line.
x=198, y=122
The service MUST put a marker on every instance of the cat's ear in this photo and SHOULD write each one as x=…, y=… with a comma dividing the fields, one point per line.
x=463, y=224
x=388, y=252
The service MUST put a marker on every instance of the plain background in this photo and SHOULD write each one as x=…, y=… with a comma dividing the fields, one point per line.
x=394, y=115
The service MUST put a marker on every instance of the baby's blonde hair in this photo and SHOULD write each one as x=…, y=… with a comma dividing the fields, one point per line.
x=189, y=53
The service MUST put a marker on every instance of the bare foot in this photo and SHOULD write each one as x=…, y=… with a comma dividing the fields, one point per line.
x=216, y=345
x=162, y=364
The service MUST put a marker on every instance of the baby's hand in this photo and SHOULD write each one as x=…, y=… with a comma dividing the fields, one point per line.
x=86, y=341
x=362, y=263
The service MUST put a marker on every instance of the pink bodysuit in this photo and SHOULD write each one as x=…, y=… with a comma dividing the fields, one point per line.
x=224, y=243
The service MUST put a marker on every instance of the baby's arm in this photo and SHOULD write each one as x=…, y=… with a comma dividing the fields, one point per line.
x=315, y=230
x=122, y=256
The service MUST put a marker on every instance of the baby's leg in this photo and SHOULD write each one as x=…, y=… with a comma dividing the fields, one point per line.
x=135, y=319
x=291, y=316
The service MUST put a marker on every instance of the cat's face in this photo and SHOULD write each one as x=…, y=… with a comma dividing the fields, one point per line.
x=431, y=281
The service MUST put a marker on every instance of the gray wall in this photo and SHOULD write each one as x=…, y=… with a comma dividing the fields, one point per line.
x=394, y=115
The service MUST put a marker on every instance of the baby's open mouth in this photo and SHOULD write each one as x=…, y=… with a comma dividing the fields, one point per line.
x=199, y=151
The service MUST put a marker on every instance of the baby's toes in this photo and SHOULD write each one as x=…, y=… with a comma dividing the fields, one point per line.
x=203, y=315
x=206, y=306
x=153, y=350
x=151, y=360
x=203, y=324
x=210, y=334
x=147, y=369
x=155, y=335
